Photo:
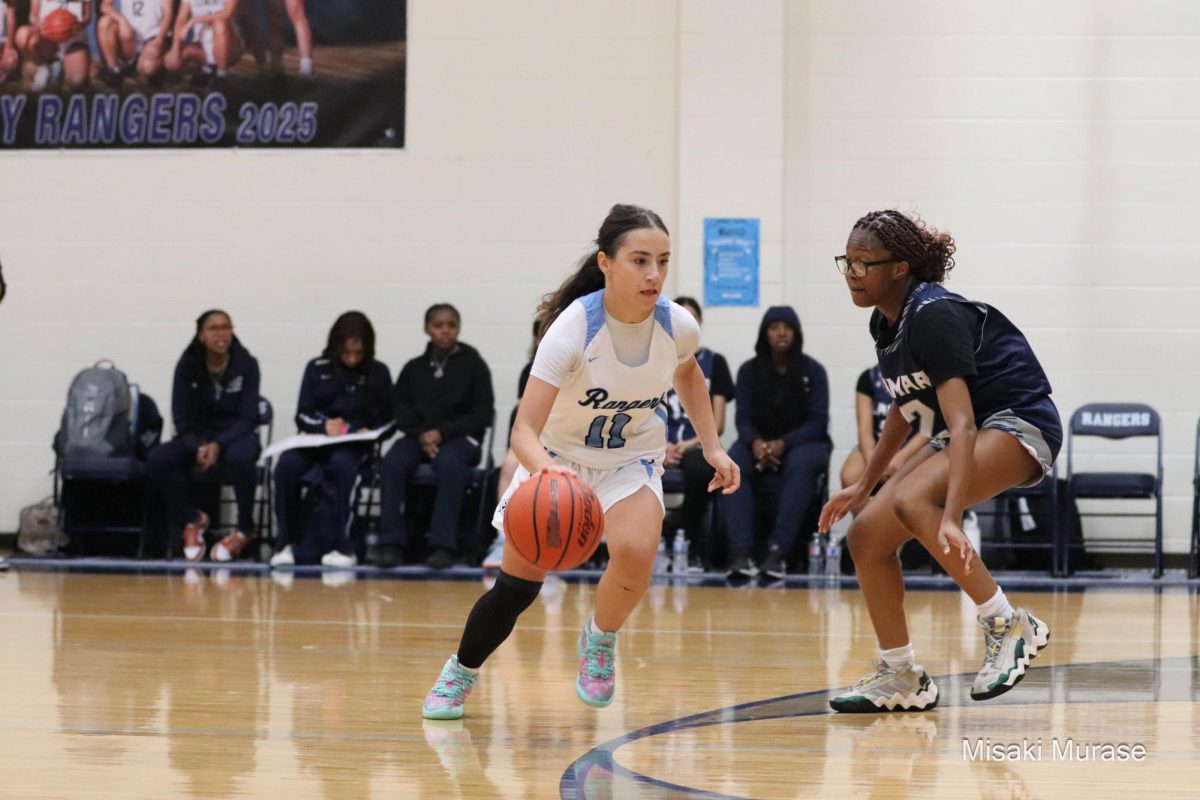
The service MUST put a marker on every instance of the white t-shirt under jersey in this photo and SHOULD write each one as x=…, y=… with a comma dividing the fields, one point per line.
x=612, y=381
x=3, y=22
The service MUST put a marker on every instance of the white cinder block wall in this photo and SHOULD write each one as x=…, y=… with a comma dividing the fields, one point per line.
x=1062, y=160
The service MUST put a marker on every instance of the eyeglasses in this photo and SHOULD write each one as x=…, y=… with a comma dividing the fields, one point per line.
x=858, y=269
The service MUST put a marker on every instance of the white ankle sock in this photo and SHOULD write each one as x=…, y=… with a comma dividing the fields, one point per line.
x=306, y=66
x=899, y=656
x=468, y=670
x=998, y=606
x=592, y=629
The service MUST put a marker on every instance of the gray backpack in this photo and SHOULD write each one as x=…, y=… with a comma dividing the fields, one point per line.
x=96, y=419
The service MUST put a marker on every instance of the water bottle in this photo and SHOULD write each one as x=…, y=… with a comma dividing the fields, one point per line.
x=970, y=528
x=833, y=557
x=679, y=553
x=816, y=564
x=660, y=560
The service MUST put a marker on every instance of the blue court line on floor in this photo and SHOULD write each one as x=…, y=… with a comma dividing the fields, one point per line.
x=1023, y=581
x=598, y=769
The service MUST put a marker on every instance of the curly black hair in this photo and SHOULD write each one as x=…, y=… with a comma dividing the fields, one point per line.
x=929, y=252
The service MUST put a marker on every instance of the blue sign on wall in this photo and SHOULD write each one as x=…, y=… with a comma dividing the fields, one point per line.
x=731, y=262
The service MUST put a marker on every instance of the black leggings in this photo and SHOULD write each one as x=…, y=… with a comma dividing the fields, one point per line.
x=494, y=617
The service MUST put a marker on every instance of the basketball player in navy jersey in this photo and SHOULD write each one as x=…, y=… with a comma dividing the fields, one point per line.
x=594, y=405
x=962, y=374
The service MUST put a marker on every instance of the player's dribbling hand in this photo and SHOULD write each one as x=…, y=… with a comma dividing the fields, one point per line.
x=726, y=476
x=556, y=467
x=847, y=501
x=950, y=535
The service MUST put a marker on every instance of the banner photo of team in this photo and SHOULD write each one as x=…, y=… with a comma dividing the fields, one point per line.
x=202, y=73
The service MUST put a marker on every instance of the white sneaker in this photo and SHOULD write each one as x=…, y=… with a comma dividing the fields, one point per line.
x=1009, y=646
x=495, y=554
x=339, y=560
x=905, y=688
x=284, y=558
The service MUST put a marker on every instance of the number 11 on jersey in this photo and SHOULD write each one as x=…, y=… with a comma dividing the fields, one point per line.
x=595, y=434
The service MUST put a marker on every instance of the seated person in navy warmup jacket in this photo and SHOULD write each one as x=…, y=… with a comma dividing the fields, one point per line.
x=782, y=421
x=215, y=407
x=345, y=390
x=443, y=403
x=683, y=446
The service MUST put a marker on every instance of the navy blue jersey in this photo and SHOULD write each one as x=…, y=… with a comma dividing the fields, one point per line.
x=870, y=383
x=1006, y=373
x=719, y=382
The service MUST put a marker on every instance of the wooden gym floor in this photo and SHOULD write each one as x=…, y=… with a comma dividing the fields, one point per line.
x=221, y=684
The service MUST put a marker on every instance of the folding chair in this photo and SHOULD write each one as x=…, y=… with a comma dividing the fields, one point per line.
x=1194, y=561
x=367, y=504
x=1117, y=421
x=1000, y=508
x=113, y=480
x=477, y=487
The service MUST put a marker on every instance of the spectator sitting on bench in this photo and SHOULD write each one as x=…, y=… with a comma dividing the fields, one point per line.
x=782, y=421
x=344, y=390
x=215, y=407
x=683, y=445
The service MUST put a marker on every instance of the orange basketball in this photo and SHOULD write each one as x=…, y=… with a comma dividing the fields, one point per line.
x=554, y=520
x=59, y=25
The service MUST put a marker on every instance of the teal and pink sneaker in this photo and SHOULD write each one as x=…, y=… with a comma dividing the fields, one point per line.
x=597, y=667
x=447, y=697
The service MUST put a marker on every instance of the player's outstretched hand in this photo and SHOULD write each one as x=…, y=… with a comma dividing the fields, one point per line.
x=727, y=476
x=847, y=501
x=950, y=534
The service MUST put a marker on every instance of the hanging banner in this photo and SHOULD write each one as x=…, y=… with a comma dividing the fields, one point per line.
x=202, y=73
x=731, y=248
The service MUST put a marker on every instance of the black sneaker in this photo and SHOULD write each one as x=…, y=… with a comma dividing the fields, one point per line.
x=203, y=77
x=695, y=565
x=386, y=556
x=440, y=558
x=774, y=565
x=741, y=567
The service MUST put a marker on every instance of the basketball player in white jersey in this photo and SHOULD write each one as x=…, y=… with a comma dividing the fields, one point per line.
x=205, y=38
x=595, y=405
x=133, y=33
x=74, y=54
x=9, y=57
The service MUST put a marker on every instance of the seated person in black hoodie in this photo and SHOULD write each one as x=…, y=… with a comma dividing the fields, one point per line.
x=215, y=407
x=782, y=422
x=443, y=403
x=345, y=390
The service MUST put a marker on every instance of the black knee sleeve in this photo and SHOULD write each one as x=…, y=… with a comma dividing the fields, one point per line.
x=493, y=618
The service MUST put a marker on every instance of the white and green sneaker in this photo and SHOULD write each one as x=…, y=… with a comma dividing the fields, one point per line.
x=445, y=700
x=905, y=688
x=1009, y=646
